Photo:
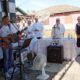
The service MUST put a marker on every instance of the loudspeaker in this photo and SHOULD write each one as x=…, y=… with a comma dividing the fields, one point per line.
x=55, y=54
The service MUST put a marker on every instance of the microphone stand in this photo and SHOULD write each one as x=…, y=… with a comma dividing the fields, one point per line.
x=20, y=62
x=19, y=50
x=22, y=75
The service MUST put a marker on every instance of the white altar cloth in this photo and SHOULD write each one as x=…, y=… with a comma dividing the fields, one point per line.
x=69, y=47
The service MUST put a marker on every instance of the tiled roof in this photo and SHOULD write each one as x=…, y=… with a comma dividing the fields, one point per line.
x=58, y=9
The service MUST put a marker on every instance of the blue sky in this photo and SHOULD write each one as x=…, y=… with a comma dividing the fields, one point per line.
x=41, y=4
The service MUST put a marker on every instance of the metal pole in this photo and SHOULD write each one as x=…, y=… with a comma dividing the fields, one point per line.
x=5, y=7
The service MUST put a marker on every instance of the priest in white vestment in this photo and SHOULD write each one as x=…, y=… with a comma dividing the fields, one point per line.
x=58, y=29
x=38, y=28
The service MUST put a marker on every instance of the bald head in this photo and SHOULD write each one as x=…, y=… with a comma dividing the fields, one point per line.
x=57, y=21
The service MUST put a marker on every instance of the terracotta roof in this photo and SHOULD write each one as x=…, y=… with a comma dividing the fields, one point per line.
x=59, y=9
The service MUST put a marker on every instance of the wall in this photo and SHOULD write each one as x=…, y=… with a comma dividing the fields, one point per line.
x=69, y=20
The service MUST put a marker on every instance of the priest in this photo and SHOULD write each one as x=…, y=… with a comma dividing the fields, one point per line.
x=58, y=29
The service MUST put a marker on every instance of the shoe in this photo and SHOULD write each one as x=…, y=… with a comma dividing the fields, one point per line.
x=7, y=75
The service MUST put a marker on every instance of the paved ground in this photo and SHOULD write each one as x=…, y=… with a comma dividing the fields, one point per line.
x=69, y=70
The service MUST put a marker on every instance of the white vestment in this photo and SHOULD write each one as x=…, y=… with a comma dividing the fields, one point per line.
x=58, y=31
x=38, y=29
x=29, y=32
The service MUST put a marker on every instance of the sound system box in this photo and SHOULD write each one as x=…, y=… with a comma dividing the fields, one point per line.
x=55, y=54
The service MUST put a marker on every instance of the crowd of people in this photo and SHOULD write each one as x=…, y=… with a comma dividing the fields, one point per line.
x=12, y=33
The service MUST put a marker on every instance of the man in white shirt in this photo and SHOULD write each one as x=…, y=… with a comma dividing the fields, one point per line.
x=58, y=30
x=29, y=31
x=20, y=23
x=7, y=53
x=31, y=40
x=37, y=29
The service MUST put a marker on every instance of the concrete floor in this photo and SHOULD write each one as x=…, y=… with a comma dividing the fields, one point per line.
x=68, y=70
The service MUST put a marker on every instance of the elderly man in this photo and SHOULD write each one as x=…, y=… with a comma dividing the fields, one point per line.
x=58, y=32
x=58, y=29
x=37, y=29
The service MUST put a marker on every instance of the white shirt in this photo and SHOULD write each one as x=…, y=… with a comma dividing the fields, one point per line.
x=4, y=31
x=20, y=25
x=14, y=28
x=29, y=32
x=38, y=29
x=58, y=31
